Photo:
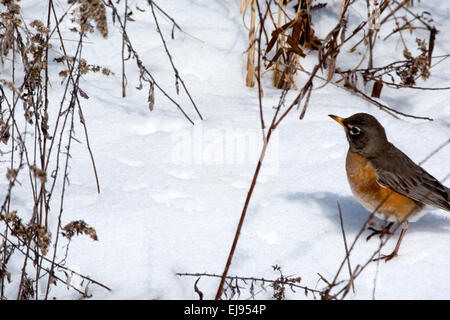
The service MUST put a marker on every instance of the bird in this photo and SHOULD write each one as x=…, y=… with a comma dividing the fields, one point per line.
x=384, y=179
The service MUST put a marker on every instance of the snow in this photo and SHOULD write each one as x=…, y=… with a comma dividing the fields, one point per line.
x=172, y=193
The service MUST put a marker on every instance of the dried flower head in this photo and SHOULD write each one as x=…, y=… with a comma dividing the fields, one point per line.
x=27, y=292
x=4, y=132
x=90, y=10
x=79, y=227
x=10, y=216
x=39, y=173
x=415, y=66
x=39, y=26
x=41, y=236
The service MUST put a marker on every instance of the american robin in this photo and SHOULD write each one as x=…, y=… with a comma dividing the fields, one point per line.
x=384, y=179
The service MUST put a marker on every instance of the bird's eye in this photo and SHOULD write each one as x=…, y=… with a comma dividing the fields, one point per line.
x=354, y=131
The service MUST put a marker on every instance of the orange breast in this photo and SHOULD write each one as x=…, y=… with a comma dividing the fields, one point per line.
x=364, y=185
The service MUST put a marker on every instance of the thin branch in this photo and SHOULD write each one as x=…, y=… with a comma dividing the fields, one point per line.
x=177, y=76
x=263, y=280
x=139, y=62
x=347, y=253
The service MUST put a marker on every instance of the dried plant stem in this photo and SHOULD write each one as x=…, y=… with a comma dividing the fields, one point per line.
x=174, y=23
x=262, y=280
x=123, y=51
x=250, y=193
x=333, y=283
x=19, y=249
x=381, y=106
x=58, y=228
x=244, y=211
x=280, y=42
x=69, y=111
x=347, y=253
x=362, y=95
x=139, y=62
x=175, y=70
x=44, y=206
x=75, y=85
x=46, y=83
x=91, y=154
x=11, y=183
x=23, y=271
x=399, y=6
x=275, y=122
x=258, y=76
x=383, y=6
x=369, y=35
x=250, y=80
x=32, y=239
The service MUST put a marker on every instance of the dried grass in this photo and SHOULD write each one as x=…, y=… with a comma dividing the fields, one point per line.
x=41, y=162
x=290, y=42
x=35, y=162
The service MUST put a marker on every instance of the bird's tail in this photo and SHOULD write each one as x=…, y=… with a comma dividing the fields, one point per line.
x=448, y=198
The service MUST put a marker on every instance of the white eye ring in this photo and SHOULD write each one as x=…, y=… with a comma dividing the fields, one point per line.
x=354, y=130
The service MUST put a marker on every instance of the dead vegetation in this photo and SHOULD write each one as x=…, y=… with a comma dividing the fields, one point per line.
x=37, y=133
x=38, y=130
x=281, y=36
x=145, y=75
x=40, y=142
x=237, y=287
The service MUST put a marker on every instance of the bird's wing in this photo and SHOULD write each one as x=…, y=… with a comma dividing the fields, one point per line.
x=402, y=175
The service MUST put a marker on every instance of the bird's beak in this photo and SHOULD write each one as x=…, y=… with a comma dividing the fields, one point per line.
x=338, y=119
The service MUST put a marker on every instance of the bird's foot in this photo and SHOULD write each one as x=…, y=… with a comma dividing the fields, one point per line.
x=381, y=232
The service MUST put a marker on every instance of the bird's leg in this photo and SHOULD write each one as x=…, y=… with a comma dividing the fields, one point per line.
x=397, y=246
x=381, y=232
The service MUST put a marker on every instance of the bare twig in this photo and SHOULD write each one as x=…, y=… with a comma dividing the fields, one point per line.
x=275, y=122
x=175, y=70
x=124, y=77
x=347, y=253
x=262, y=280
x=144, y=71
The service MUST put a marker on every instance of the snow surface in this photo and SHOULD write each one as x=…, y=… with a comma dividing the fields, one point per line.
x=172, y=193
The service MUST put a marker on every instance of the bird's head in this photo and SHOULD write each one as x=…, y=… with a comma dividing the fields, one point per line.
x=364, y=133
